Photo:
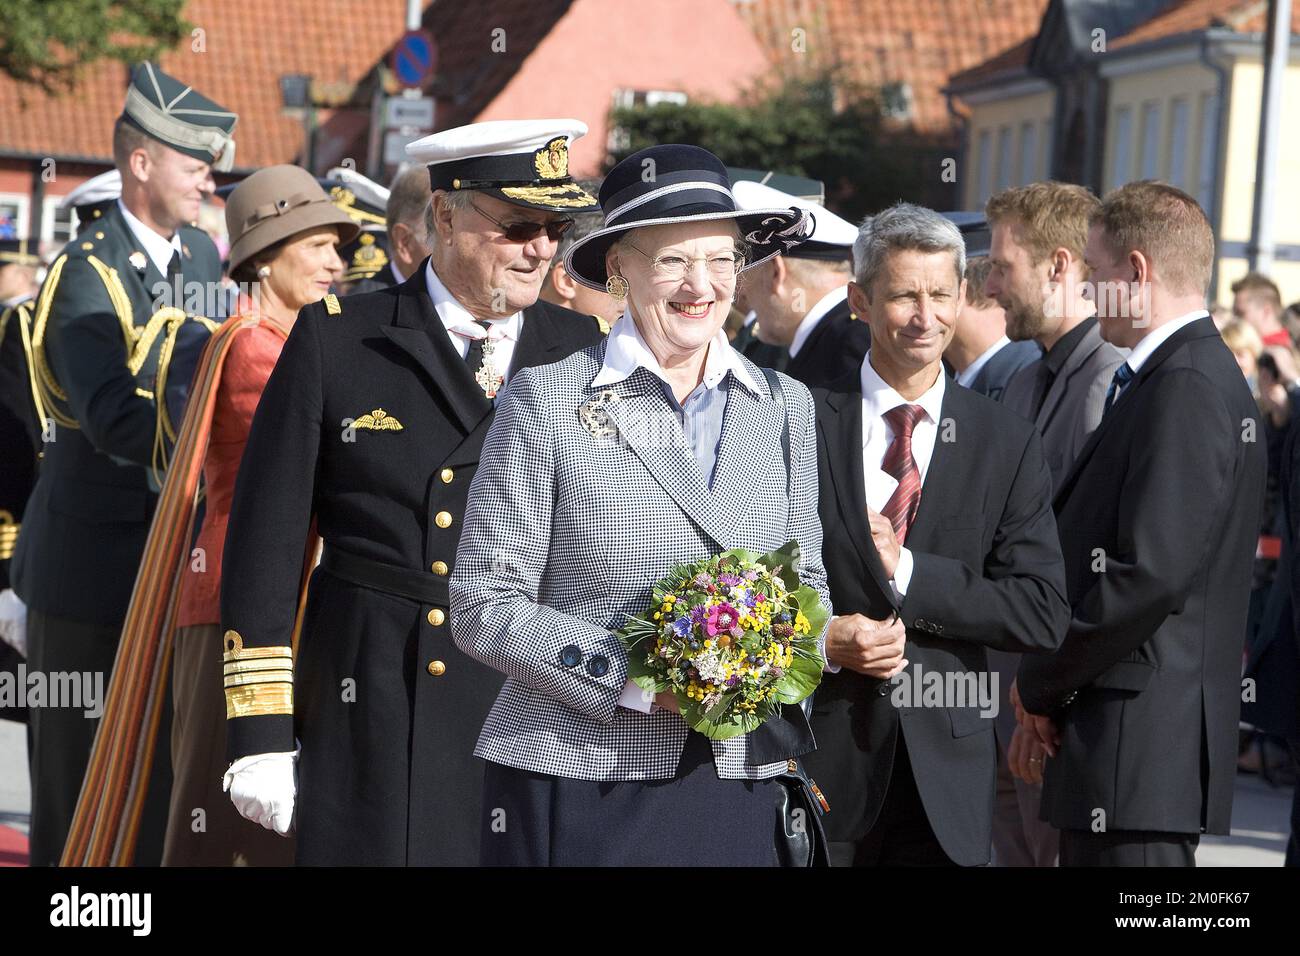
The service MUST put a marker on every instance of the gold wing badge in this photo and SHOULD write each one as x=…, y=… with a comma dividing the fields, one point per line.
x=378, y=421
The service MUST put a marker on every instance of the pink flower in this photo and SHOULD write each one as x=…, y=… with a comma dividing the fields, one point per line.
x=722, y=619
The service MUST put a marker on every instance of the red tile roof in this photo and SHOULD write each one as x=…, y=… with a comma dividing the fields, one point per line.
x=1194, y=16
x=879, y=42
x=247, y=47
x=470, y=72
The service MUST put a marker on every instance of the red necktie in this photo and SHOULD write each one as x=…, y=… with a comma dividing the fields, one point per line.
x=901, y=507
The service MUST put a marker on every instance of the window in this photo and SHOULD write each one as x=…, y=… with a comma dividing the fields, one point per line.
x=1119, y=157
x=1178, y=143
x=984, y=167
x=896, y=100
x=13, y=216
x=1028, y=153
x=626, y=99
x=58, y=226
x=1005, y=157
x=1207, y=175
x=1150, y=140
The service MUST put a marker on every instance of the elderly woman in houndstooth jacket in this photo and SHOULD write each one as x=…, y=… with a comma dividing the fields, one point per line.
x=567, y=531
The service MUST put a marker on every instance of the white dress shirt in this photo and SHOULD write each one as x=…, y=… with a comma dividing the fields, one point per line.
x=967, y=375
x=462, y=326
x=158, y=248
x=625, y=352
x=818, y=312
x=878, y=398
x=1157, y=337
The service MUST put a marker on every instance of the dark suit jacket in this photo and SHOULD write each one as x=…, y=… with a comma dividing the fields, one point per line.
x=835, y=347
x=987, y=572
x=87, y=519
x=1006, y=361
x=1159, y=519
x=759, y=352
x=389, y=778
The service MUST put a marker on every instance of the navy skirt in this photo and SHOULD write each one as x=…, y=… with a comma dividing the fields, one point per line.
x=694, y=819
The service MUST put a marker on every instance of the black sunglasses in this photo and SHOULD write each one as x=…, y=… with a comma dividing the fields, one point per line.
x=527, y=231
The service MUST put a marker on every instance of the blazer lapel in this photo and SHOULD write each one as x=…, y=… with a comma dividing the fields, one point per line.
x=842, y=433
x=418, y=331
x=1076, y=360
x=654, y=434
x=540, y=341
x=1201, y=328
x=942, y=478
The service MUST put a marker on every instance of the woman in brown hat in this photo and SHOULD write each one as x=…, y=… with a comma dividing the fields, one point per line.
x=285, y=234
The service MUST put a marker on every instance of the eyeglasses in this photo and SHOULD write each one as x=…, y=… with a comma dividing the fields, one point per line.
x=528, y=231
x=671, y=266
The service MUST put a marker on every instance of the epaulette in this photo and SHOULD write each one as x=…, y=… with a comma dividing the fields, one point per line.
x=602, y=325
x=332, y=304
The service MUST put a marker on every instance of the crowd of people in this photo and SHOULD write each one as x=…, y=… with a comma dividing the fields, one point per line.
x=357, y=545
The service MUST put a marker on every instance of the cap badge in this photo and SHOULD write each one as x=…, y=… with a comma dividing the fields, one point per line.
x=552, y=160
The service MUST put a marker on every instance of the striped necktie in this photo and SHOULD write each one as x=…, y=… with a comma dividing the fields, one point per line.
x=1123, y=375
x=901, y=507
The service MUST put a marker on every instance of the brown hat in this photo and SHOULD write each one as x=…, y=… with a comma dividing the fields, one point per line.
x=275, y=203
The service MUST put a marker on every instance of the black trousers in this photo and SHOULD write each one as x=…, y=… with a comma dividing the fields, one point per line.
x=1128, y=848
x=694, y=819
x=59, y=739
x=901, y=835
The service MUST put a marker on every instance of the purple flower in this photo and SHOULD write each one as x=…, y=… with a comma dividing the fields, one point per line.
x=730, y=580
x=751, y=575
x=683, y=626
x=702, y=580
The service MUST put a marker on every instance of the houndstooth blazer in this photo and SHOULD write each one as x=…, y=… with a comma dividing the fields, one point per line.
x=567, y=529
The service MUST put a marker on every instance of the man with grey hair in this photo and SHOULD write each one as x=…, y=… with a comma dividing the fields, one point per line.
x=939, y=544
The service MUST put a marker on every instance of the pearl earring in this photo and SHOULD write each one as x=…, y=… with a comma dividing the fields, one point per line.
x=263, y=272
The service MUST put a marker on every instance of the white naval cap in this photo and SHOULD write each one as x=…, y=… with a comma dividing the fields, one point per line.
x=99, y=189
x=525, y=162
x=832, y=236
x=365, y=189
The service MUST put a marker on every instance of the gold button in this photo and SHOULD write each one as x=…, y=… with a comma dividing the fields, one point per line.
x=442, y=519
x=446, y=475
x=99, y=235
x=437, y=668
x=439, y=567
x=436, y=617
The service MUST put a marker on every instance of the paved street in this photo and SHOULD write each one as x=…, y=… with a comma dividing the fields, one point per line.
x=1259, y=813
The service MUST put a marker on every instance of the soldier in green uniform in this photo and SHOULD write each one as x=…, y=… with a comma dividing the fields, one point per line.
x=104, y=330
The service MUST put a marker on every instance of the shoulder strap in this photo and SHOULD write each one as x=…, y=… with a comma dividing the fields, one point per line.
x=778, y=396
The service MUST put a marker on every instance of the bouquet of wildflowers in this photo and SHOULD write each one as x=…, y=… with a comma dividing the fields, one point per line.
x=733, y=636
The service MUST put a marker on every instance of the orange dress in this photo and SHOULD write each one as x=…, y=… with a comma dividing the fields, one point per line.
x=252, y=356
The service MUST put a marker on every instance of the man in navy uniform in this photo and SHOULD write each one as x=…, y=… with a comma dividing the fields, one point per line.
x=802, y=297
x=372, y=425
x=104, y=326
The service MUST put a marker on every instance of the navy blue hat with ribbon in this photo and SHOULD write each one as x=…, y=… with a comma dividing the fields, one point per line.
x=672, y=183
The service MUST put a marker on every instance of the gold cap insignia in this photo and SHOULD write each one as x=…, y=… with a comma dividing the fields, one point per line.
x=552, y=160
x=378, y=421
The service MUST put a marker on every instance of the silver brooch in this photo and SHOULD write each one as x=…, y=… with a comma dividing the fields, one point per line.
x=594, y=414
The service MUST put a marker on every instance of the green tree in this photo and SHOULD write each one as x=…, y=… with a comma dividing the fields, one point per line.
x=817, y=126
x=46, y=42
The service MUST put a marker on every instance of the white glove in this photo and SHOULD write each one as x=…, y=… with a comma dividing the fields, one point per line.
x=13, y=621
x=262, y=788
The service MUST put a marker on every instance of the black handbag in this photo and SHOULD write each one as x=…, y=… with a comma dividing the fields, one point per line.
x=800, y=804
